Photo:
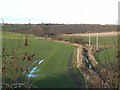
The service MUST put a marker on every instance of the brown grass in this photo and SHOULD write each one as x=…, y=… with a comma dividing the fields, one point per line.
x=94, y=34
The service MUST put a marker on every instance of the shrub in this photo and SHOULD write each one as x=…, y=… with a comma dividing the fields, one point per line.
x=78, y=40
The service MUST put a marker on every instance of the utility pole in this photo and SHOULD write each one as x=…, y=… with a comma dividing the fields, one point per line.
x=97, y=41
x=89, y=37
x=2, y=21
x=29, y=21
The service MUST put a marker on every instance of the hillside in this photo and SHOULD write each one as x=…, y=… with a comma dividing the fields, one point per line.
x=67, y=29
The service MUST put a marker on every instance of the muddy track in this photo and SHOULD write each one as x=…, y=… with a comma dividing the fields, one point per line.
x=78, y=82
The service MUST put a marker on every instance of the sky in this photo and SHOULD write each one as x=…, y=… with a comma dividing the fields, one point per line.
x=59, y=11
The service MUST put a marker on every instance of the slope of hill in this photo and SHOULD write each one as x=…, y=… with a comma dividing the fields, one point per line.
x=67, y=29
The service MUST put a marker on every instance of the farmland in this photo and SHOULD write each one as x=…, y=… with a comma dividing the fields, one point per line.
x=53, y=70
x=15, y=27
x=106, y=57
x=56, y=63
x=63, y=29
x=102, y=40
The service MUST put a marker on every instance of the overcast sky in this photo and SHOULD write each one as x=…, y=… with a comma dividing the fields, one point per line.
x=59, y=11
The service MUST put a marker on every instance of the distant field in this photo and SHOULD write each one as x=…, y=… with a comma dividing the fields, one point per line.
x=66, y=29
x=12, y=35
x=105, y=56
x=15, y=27
x=53, y=72
x=102, y=41
x=115, y=33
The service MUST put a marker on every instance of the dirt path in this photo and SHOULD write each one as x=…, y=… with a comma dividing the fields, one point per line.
x=78, y=82
x=75, y=77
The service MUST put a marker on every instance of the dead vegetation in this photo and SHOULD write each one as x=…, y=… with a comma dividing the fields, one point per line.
x=99, y=76
x=44, y=31
x=11, y=62
x=115, y=33
x=73, y=28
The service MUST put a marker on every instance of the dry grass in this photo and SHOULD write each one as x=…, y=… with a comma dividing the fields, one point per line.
x=94, y=34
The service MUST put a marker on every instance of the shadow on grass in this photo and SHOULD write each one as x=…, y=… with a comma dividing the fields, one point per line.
x=56, y=81
x=63, y=80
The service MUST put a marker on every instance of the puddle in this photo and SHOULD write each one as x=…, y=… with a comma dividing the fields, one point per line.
x=34, y=70
x=86, y=58
x=88, y=63
x=32, y=75
x=35, y=75
x=40, y=62
x=32, y=64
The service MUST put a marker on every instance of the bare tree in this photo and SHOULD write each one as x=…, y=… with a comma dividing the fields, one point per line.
x=41, y=30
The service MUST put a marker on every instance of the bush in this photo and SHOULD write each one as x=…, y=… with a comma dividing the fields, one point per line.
x=41, y=30
x=57, y=37
x=37, y=31
x=78, y=40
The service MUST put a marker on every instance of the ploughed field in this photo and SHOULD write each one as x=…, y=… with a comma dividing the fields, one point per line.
x=63, y=28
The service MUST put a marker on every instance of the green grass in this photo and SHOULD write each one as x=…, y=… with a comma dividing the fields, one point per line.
x=105, y=40
x=106, y=56
x=11, y=35
x=54, y=67
x=13, y=27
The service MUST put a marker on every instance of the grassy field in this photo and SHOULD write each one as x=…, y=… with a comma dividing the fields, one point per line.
x=18, y=36
x=106, y=56
x=53, y=72
x=104, y=40
x=14, y=27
